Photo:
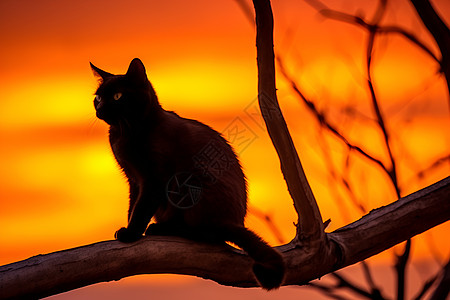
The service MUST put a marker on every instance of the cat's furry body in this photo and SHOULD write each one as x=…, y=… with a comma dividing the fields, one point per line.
x=153, y=146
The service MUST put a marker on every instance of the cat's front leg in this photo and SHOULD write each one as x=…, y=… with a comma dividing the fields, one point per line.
x=141, y=211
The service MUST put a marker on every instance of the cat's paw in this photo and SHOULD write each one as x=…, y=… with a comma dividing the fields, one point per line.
x=125, y=235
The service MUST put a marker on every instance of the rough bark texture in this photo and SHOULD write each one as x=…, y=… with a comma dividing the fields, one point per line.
x=53, y=273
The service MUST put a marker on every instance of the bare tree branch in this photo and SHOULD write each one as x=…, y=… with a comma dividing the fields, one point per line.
x=400, y=267
x=392, y=170
x=409, y=36
x=310, y=225
x=345, y=283
x=374, y=29
x=322, y=119
x=403, y=223
x=425, y=288
x=375, y=291
x=330, y=291
x=247, y=10
x=371, y=26
x=443, y=288
x=269, y=222
x=49, y=274
x=439, y=31
x=437, y=163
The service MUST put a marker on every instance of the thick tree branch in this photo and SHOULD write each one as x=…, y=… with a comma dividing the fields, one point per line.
x=408, y=222
x=310, y=225
x=49, y=274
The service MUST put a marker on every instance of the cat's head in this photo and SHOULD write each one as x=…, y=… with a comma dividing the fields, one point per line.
x=128, y=97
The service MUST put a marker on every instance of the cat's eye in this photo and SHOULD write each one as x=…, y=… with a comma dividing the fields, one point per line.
x=98, y=98
x=117, y=96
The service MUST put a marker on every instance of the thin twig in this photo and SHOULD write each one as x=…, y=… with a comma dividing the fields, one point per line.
x=247, y=10
x=426, y=286
x=346, y=283
x=333, y=178
x=371, y=26
x=437, y=163
x=375, y=291
x=440, y=32
x=392, y=171
x=327, y=290
x=409, y=36
x=266, y=218
x=400, y=267
x=321, y=118
x=443, y=289
x=380, y=12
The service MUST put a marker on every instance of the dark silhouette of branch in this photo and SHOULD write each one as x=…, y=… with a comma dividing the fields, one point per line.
x=310, y=225
x=372, y=29
x=247, y=10
x=266, y=218
x=329, y=290
x=439, y=30
x=112, y=260
x=343, y=282
x=322, y=119
x=409, y=36
x=392, y=170
x=437, y=163
x=432, y=21
x=400, y=267
x=375, y=291
x=334, y=180
x=372, y=26
x=443, y=289
x=427, y=285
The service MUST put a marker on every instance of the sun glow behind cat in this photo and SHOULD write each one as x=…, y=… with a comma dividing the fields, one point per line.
x=60, y=186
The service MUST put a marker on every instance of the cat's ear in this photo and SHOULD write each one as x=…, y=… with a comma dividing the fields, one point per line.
x=136, y=71
x=100, y=73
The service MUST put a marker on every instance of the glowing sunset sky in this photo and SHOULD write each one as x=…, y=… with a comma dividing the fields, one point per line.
x=59, y=184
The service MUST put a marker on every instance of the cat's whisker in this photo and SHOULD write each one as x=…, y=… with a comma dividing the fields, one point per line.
x=93, y=121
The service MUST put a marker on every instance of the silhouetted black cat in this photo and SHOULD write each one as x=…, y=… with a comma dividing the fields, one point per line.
x=180, y=171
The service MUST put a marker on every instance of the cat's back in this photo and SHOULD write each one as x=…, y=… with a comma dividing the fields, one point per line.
x=198, y=145
x=191, y=135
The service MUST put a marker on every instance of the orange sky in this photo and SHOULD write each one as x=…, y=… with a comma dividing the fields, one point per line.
x=59, y=184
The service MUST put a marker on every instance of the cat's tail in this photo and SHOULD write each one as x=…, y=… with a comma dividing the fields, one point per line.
x=269, y=265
